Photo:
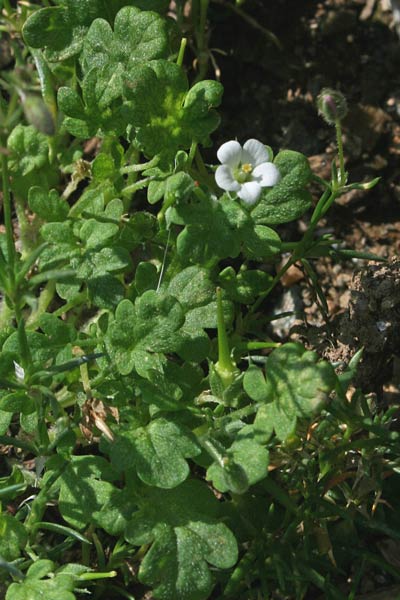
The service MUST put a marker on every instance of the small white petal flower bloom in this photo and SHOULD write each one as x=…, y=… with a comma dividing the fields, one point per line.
x=245, y=170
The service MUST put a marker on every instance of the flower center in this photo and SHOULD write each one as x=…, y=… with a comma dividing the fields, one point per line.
x=243, y=173
x=247, y=168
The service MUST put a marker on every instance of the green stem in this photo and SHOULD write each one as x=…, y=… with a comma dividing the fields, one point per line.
x=46, y=296
x=8, y=220
x=97, y=575
x=224, y=355
x=216, y=453
x=237, y=415
x=339, y=141
x=274, y=282
x=225, y=366
x=46, y=82
x=42, y=431
x=204, y=175
x=39, y=505
x=6, y=314
x=192, y=153
x=25, y=228
x=135, y=187
x=316, y=215
x=179, y=60
x=76, y=301
x=141, y=167
x=26, y=358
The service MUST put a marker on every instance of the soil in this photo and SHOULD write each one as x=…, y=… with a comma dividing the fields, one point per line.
x=270, y=94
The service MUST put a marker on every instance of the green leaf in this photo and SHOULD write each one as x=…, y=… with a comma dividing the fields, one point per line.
x=168, y=386
x=59, y=332
x=245, y=286
x=178, y=186
x=106, y=58
x=254, y=384
x=157, y=452
x=289, y=199
x=50, y=27
x=13, y=537
x=29, y=149
x=213, y=229
x=47, y=205
x=142, y=226
x=105, y=291
x=246, y=463
x=59, y=232
x=59, y=587
x=61, y=30
x=197, y=114
x=155, y=191
x=111, y=260
x=40, y=569
x=100, y=108
x=150, y=325
x=261, y=242
x=184, y=532
x=39, y=345
x=103, y=167
x=196, y=294
x=92, y=200
x=96, y=235
x=5, y=420
x=85, y=489
x=193, y=288
x=158, y=392
x=17, y=402
x=166, y=115
x=296, y=386
x=146, y=277
x=137, y=36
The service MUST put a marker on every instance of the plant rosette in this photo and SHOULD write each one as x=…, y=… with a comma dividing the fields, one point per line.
x=246, y=169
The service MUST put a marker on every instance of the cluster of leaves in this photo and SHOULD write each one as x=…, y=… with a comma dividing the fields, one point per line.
x=165, y=453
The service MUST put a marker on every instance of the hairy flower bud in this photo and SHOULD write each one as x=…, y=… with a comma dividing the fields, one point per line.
x=332, y=105
x=37, y=114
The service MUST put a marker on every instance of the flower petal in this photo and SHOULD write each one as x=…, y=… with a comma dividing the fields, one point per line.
x=250, y=192
x=230, y=153
x=266, y=174
x=225, y=180
x=255, y=153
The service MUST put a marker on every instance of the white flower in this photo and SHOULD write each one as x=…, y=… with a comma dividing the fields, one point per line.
x=245, y=170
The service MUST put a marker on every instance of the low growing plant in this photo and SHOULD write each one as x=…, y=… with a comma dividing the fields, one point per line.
x=153, y=436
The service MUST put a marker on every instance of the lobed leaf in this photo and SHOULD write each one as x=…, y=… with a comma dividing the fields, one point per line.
x=289, y=199
x=13, y=537
x=167, y=116
x=296, y=386
x=157, y=452
x=184, y=532
x=61, y=30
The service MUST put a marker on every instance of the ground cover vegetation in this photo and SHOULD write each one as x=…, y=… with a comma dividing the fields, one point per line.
x=157, y=439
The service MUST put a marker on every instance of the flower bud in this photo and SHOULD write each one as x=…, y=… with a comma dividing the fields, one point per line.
x=332, y=105
x=37, y=114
